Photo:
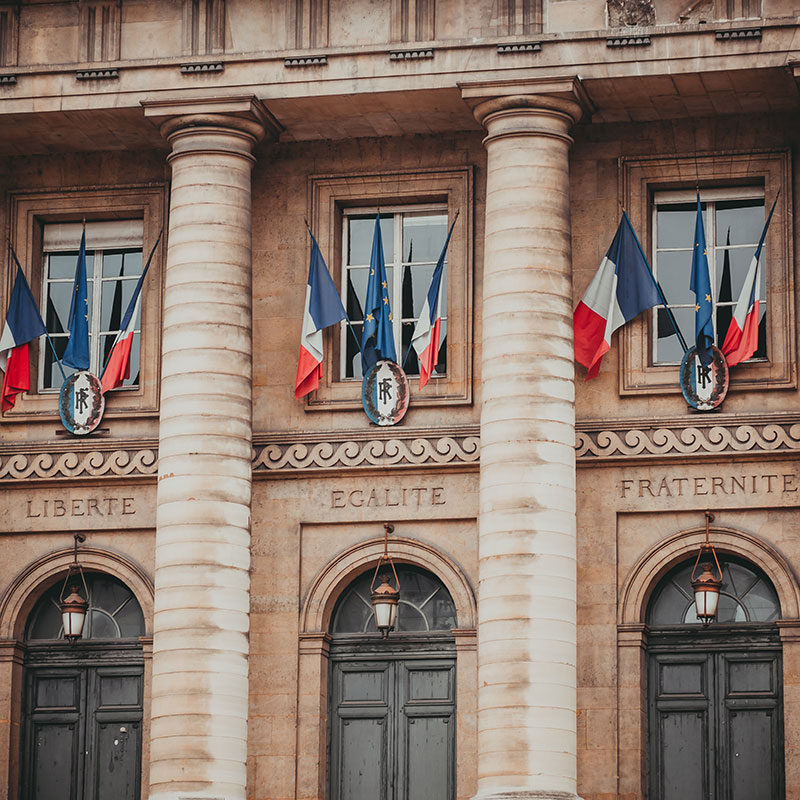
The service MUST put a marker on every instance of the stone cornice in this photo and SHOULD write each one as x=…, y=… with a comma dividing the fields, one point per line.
x=280, y=455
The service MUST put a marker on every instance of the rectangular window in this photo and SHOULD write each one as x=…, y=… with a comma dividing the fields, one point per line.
x=412, y=241
x=733, y=220
x=113, y=266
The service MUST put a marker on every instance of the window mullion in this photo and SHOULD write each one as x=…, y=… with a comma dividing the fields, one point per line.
x=97, y=290
x=397, y=283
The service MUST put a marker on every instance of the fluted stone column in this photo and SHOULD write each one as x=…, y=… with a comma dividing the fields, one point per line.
x=527, y=605
x=200, y=649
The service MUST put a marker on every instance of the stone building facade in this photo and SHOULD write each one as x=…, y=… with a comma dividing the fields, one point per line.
x=228, y=525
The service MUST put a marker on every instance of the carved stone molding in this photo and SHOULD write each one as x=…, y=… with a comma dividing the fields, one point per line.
x=288, y=454
x=116, y=463
x=354, y=451
x=676, y=439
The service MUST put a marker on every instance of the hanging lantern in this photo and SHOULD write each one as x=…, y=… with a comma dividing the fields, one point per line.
x=386, y=597
x=73, y=606
x=706, y=586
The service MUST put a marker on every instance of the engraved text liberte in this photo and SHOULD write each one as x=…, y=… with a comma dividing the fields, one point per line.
x=80, y=507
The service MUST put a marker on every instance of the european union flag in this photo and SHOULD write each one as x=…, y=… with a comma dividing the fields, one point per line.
x=77, y=353
x=377, y=338
x=700, y=284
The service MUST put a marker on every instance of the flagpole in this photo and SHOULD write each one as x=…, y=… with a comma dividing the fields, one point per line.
x=347, y=318
x=659, y=290
x=47, y=335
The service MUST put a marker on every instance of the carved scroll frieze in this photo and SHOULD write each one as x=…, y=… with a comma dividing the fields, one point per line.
x=679, y=441
x=282, y=454
x=80, y=464
x=350, y=453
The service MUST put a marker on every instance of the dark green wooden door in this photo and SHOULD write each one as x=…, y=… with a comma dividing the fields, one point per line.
x=83, y=734
x=393, y=729
x=715, y=726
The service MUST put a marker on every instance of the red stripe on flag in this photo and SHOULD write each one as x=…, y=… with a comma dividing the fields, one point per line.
x=739, y=345
x=590, y=343
x=309, y=372
x=118, y=368
x=430, y=355
x=18, y=376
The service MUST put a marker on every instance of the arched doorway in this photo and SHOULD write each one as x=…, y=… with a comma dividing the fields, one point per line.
x=715, y=695
x=392, y=720
x=82, y=703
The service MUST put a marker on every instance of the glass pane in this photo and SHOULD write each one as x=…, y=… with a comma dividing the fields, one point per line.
x=122, y=263
x=668, y=346
x=352, y=362
x=52, y=374
x=416, y=285
x=425, y=604
x=423, y=237
x=133, y=378
x=360, y=232
x=116, y=295
x=356, y=292
x=729, y=282
x=63, y=265
x=101, y=626
x=673, y=272
x=409, y=359
x=744, y=218
x=675, y=226
x=747, y=595
x=107, y=597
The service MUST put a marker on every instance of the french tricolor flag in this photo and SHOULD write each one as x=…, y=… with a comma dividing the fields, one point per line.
x=323, y=308
x=741, y=340
x=118, y=364
x=621, y=289
x=425, y=338
x=23, y=325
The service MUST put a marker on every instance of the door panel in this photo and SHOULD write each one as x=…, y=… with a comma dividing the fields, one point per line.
x=684, y=737
x=715, y=724
x=428, y=761
x=750, y=751
x=83, y=733
x=392, y=729
x=55, y=754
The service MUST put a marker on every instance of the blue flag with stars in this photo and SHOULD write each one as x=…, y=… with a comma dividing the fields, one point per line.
x=377, y=338
x=700, y=284
x=77, y=353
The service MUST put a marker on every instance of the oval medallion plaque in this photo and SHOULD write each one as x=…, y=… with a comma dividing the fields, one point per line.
x=384, y=393
x=704, y=388
x=81, y=403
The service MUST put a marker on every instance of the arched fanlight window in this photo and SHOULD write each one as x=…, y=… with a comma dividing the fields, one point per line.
x=747, y=595
x=425, y=604
x=114, y=612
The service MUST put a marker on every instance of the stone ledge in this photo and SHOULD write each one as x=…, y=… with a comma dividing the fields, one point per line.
x=410, y=55
x=742, y=33
x=192, y=69
x=628, y=41
x=306, y=61
x=96, y=74
x=522, y=47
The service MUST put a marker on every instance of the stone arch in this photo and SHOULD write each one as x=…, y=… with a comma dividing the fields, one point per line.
x=659, y=559
x=29, y=585
x=326, y=588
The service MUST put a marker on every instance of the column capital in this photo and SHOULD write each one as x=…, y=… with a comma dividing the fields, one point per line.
x=244, y=114
x=562, y=95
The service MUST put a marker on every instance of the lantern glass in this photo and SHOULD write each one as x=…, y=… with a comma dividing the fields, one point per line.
x=73, y=622
x=385, y=614
x=706, y=601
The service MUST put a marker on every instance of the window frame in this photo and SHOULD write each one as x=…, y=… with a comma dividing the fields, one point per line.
x=769, y=170
x=97, y=336
x=399, y=214
x=331, y=198
x=29, y=213
x=709, y=199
